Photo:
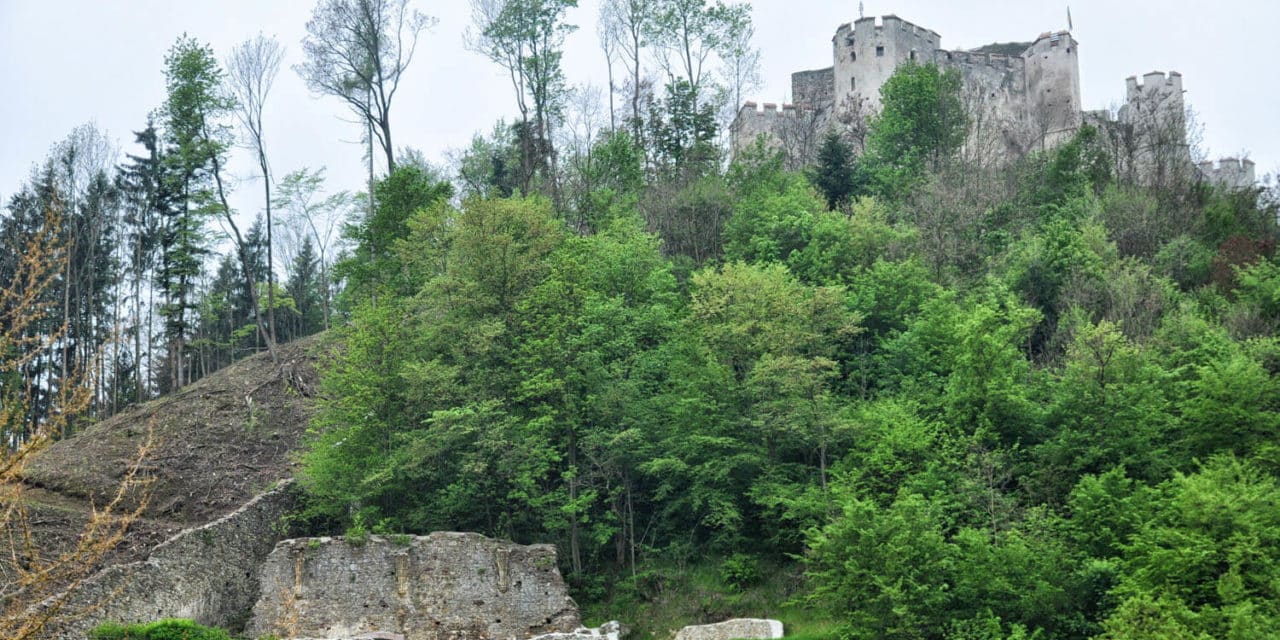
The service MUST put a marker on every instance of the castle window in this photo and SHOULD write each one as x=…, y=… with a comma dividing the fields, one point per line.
x=853, y=83
x=853, y=56
x=913, y=54
x=879, y=52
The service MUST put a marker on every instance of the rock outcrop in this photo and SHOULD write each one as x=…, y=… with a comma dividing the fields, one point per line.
x=207, y=573
x=747, y=628
x=452, y=586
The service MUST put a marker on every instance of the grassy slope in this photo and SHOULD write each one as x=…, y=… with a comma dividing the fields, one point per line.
x=667, y=597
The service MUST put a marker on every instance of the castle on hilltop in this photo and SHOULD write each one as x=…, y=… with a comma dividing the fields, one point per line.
x=1019, y=96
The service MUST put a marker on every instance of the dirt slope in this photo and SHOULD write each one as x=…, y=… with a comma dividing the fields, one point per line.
x=218, y=443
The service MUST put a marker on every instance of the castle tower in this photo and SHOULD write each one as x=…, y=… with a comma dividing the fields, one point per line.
x=1231, y=173
x=1154, y=112
x=1156, y=102
x=866, y=54
x=1052, y=65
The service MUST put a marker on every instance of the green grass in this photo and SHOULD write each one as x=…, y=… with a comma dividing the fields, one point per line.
x=667, y=596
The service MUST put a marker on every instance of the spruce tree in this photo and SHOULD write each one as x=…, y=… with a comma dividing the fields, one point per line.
x=834, y=175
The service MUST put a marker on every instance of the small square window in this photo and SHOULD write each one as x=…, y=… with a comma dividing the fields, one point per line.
x=879, y=52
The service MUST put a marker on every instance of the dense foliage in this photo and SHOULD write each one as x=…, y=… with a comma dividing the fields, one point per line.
x=957, y=400
x=169, y=629
x=1075, y=438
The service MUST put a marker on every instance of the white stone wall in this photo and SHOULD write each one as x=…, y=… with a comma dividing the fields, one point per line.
x=1053, y=86
x=444, y=586
x=860, y=70
x=1232, y=173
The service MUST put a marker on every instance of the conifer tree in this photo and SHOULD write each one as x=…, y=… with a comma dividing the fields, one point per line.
x=834, y=174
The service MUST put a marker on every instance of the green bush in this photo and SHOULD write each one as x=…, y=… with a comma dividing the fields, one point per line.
x=169, y=629
x=740, y=570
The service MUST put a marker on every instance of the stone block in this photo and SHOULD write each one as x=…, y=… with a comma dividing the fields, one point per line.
x=444, y=586
x=737, y=628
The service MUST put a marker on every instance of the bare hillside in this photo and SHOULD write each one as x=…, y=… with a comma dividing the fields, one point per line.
x=218, y=443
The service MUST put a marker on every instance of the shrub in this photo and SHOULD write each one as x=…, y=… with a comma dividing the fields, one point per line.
x=169, y=629
x=740, y=570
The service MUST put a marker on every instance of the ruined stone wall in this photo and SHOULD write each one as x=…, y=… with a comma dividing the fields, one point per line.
x=1153, y=117
x=456, y=586
x=208, y=573
x=813, y=89
x=1017, y=103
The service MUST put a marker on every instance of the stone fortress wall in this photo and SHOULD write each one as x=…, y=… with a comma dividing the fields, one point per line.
x=1229, y=171
x=444, y=586
x=207, y=573
x=1020, y=97
x=238, y=570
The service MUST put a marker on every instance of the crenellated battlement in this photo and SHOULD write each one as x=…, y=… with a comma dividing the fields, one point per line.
x=767, y=110
x=1054, y=38
x=1227, y=164
x=891, y=22
x=1024, y=93
x=979, y=58
x=1153, y=82
x=769, y=119
x=1236, y=173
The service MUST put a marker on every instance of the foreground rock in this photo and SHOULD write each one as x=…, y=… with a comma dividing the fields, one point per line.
x=436, y=587
x=745, y=628
x=607, y=631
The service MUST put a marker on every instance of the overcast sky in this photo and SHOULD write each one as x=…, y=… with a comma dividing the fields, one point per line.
x=67, y=62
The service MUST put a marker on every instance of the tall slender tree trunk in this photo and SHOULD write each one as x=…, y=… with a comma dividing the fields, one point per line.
x=245, y=262
x=137, y=320
x=613, y=118
x=385, y=125
x=271, y=267
x=575, y=550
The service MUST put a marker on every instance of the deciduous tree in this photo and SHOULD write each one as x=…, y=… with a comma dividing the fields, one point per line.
x=251, y=71
x=358, y=51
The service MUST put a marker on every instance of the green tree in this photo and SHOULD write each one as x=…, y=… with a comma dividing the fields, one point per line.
x=526, y=37
x=358, y=51
x=835, y=174
x=375, y=268
x=883, y=572
x=306, y=284
x=1206, y=564
x=688, y=35
x=921, y=124
x=195, y=113
x=314, y=219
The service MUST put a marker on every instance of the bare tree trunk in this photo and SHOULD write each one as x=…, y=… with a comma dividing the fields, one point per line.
x=575, y=551
x=271, y=266
x=137, y=328
x=245, y=262
x=630, y=523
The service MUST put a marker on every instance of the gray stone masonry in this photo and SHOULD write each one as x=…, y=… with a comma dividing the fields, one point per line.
x=444, y=586
x=207, y=573
x=1016, y=102
x=749, y=628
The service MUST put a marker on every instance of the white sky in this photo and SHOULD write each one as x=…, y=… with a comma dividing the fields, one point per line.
x=67, y=62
